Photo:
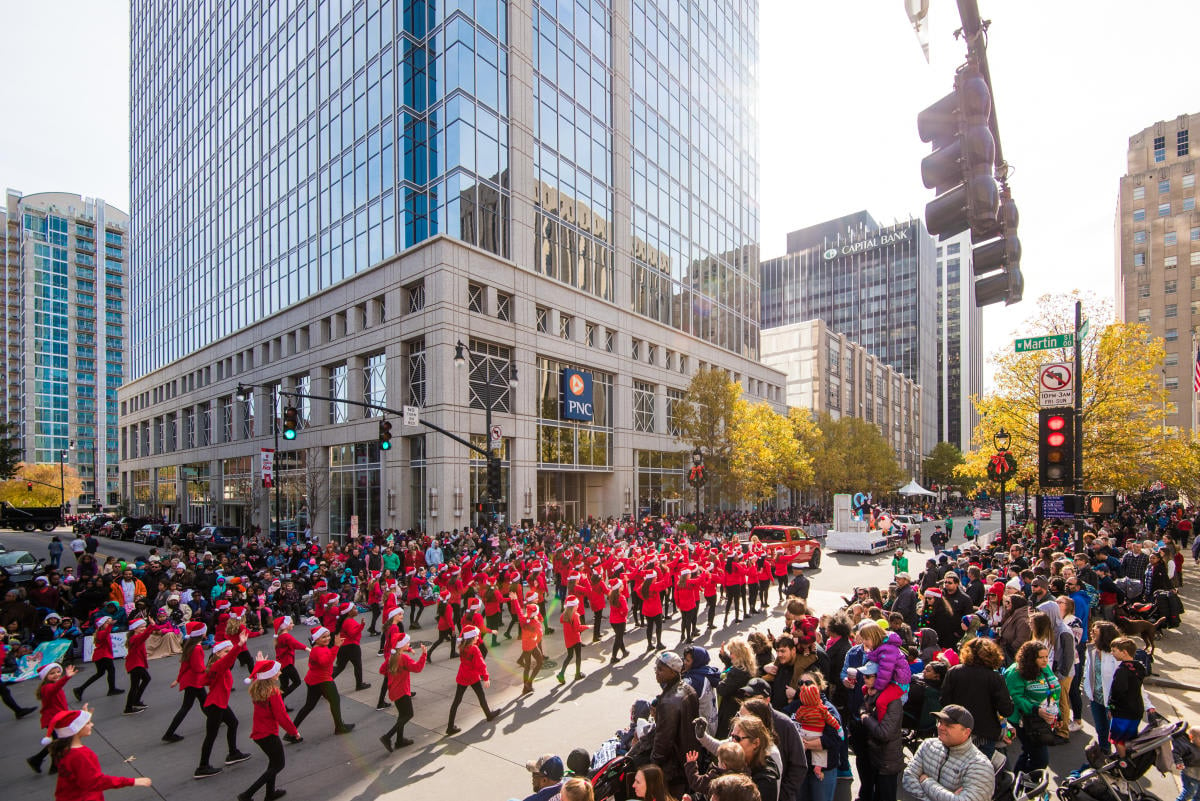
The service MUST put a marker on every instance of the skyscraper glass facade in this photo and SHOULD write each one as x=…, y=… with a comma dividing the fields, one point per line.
x=279, y=148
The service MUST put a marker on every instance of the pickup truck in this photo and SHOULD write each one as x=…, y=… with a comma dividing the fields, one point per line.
x=30, y=518
x=793, y=539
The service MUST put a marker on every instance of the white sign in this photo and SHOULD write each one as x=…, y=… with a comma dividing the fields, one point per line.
x=1056, y=385
x=496, y=434
x=118, y=645
x=267, y=461
x=863, y=245
x=353, y=527
x=411, y=416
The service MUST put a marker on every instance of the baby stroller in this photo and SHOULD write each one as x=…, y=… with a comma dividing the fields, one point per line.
x=1111, y=778
x=613, y=780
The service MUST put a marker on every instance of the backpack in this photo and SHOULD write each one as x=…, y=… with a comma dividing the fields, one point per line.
x=708, y=704
x=1093, y=595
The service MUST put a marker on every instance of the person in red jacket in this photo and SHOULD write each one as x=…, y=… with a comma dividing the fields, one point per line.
x=79, y=774
x=102, y=656
x=393, y=630
x=269, y=715
x=573, y=628
x=219, y=678
x=319, y=679
x=400, y=667
x=374, y=601
x=136, y=665
x=233, y=629
x=493, y=608
x=597, y=593
x=350, y=630
x=473, y=616
x=473, y=673
x=190, y=679
x=618, y=615
x=652, y=584
x=286, y=647
x=445, y=623
x=687, y=600
x=54, y=700
x=532, y=658
x=709, y=583
x=417, y=579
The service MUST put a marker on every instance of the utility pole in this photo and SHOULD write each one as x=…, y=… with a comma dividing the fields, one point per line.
x=1078, y=427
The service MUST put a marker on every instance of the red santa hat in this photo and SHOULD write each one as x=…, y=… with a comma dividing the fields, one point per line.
x=238, y=612
x=103, y=621
x=195, y=628
x=281, y=622
x=614, y=584
x=330, y=598
x=317, y=633
x=933, y=592
x=444, y=597
x=475, y=603
x=402, y=643
x=220, y=646
x=412, y=571
x=264, y=669
x=531, y=608
x=535, y=568
x=222, y=605
x=469, y=633
x=570, y=602
x=44, y=670
x=66, y=724
x=137, y=623
x=573, y=576
x=396, y=611
x=347, y=608
x=320, y=585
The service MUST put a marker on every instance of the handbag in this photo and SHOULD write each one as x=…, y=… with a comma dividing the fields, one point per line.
x=1038, y=730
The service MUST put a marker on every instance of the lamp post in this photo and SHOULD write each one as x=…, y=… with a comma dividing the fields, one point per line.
x=697, y=460
x=62, y=477
x=460, y=360
x=1001, y=441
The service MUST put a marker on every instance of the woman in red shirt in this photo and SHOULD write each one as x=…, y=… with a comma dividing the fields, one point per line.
x=573, y=628
x=400, y=667
x=286, y=647
x=219, y=678
x=531, y=642
x=269, y=716
x=136, y=665
x=54, y=700
x=618, y=615
x=319, y=679
x=102, y=656
x=650, y=590
x=79, y=775
x=445, y=622
x=393, y=630
x=190, y=679
x=350, y=631
x=473, y=673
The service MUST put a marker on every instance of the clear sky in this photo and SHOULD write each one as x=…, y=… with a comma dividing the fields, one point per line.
x=841, y=83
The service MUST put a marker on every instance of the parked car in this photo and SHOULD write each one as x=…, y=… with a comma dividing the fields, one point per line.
x=218, y=538
x=985, y=513
x=21, y=566
x=151, y=534
x=793, y=539
x=127, y=526
x=178, y=532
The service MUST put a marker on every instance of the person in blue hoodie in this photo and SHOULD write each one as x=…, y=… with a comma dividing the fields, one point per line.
x=697, y=671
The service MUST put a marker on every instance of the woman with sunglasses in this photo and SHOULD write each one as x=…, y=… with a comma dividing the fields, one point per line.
x=824, y=787
x=755, y=739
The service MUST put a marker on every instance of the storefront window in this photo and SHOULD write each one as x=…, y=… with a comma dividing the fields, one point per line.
x=567, y=444
x=661, y=480
x=354, y=490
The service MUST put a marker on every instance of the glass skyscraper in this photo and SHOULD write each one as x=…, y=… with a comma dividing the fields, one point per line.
x=280, y=148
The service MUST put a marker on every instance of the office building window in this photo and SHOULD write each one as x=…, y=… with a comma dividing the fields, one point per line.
x=1139, y=192
x=1164, y=187
x=1195, y=313
x=543, y=320
x=1139, y=259
x=1164, y=209
x=1189, y=180
x=1160, y=149
x=1171, y=310
x=1194, y=234
x=674, y=408
x=226, y=420
x=1195, y=258
x=503, y=307
x=1143, y=315
x=610, y=342
x=416, y=371
x=375, y=383
x=1181, y=143
x=589, y=334
x=339, y=412
x=1171, y=335
x=1170, y=261
x=475, y=298
x=1143, y=290
x=683, y=363
x=489, y=376
x=1169, y=286
x=1170, y=383
x=1139, y=215
x=1172, y=359
x=416, y=296
x=643, y=407
x=248, y=416
x=1139, y=237
x=651, y=354
x=1189, y=204
x=635, y=350
x=564, y=326
x=1169, y=238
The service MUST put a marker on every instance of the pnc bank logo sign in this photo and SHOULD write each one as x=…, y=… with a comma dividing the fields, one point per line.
x=576, y=395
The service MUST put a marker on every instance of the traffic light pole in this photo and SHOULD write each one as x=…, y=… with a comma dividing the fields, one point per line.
x=1078, y=455
x=276, y=422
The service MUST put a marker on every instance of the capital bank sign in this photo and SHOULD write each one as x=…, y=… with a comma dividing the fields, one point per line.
x=576, y=395
x=863, y=245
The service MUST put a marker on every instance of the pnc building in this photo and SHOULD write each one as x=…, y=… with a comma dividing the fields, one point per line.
x=331, y=196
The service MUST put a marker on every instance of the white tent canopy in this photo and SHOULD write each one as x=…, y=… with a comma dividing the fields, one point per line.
x=913, y=488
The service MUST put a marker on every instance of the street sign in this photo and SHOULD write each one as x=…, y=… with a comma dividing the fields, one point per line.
x=1056, y=385
x=1083, y=331
x=496, y=436
x=412, y=416
x=1048, y=342
x=1057, y=507
x=267, y=460
x=1002, y=466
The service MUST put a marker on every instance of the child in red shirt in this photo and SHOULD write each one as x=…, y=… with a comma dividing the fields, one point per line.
x=219, y=678
x=573, y=627
x=269, y=716
x=400, y=667
x=319, y=679
x=531, y=642
x=190, y=679
x=79, y=775
x=350, y=630
x=473, y=673
x=136, y=665
x=445, y=623
x=286, y=647
x=54, y=701
x=102, y=656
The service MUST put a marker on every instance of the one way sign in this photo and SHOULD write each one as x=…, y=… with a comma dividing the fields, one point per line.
x=1056, y=385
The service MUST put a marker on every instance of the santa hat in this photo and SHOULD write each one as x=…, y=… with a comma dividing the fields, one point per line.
x=223, y=606
x=66, y=724
x=412, y=571
x=330, y=598
x=399, y=610
x=444, y=597
x=532, y=598
x=238, y=612
x=573, y=576
x=275, y=586
x=403, y=642
x=103, y=621
x=570, y=602
x=218, y=647
x=281, y=621
x=44, y=670
x=347, y=608
x=535, y=568
x=469, y=633
x=137, y=623
x=475, y=603
x=264, y=669
x=320, y=585
x=195, y=629
x=933, y=592
x=532, y=608
x=317, y=633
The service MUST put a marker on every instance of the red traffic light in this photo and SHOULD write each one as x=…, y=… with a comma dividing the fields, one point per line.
x=1056, y=423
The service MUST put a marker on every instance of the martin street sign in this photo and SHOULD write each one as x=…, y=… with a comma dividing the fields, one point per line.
x=1047, y=342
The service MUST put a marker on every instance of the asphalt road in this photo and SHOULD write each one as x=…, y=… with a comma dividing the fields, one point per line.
x=36, y=543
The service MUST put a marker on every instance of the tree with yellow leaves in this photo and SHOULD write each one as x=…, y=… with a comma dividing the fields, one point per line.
x=766, y=453
x=45, y=491
x=1124, y=401
x=705, y=419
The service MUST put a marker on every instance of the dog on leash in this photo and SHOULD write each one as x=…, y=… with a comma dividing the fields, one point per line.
x=1146, y=629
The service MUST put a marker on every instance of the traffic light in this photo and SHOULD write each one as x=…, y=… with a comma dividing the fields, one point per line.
x=29, y=486
x=1102, y=504
x=997, y=262
x=291, y=422
x=385, y=435
x=1056, y=447
x=493, y=479
x=964, y=151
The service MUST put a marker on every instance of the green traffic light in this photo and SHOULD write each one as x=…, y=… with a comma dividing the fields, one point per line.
x=289, y=433
x=385, y=446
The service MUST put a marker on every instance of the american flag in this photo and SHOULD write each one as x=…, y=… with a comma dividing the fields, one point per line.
x=1196, y=374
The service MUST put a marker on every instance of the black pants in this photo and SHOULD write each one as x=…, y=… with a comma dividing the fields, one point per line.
x=289, y=679
x=375, y=610
x=876, y=786
x=687, y=627
x=577, y=651
x=654, y=624
x=733, y=599
x=349, y=654
x=444, y=636
x=139, y=678
x=404, y=713
x=214, y=716
x=328, y=690
x=619, y=641
x=9, y=701
x=415, y=608
x=104, y=666
x=191, y=695
x=597, y=619
x=246, y=661
x=782, y=582
x=638, y=619
x=272, y=746
x=494, y=622
x=711, y=608
x=459, y=691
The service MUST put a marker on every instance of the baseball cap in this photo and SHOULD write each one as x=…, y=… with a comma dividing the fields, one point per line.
x=672, y=660
x=869, y=669
x=953, y=713
x=755, y=688
x=1041, y=582
x=547, y=765
x=904, y=576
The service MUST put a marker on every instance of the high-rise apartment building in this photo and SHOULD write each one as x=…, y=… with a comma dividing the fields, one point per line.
x=877, y=285
x=1158, y=256
x=959, y=342
x=330, y=196
x=64, y=333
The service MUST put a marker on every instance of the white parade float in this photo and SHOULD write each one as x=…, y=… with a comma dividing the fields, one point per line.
x=851, y=533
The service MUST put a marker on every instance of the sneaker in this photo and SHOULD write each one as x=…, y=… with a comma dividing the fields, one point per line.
x=345, y=729
x=561, y=678
x=387, y=742
x=291, y=738
x=29, y=710
x=366, y=685
x=204, y=771
x=452, y=730
x=244, y=797
x=403, y=741
x=236, y=757
x=1076, y=725
x=78, y=693
x=134, y=711
x=172, y=738
x=381, y=707
x=34, y=763
x=415, y=626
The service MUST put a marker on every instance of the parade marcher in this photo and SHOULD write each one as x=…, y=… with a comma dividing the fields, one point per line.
x=269, y=716
x=219, y=678
x=54, y=701
x=393, y=630
x=79, y=774
x=445, y=624
x=618, y=615
x=286, y=647
x=102, y=657
x=349, y=630
x=136, y=665
x=400, y=667
x=573, y=628
x=473, y=673
x=531, y=658
x=650, y=589
x=687, y=599
x=190, y=679
x=319, y=679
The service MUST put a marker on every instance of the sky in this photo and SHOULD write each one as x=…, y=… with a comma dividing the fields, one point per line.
x=840, y=86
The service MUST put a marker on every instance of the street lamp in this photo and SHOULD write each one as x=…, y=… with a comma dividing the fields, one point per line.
x=697, y=460
x=493, y=466
x=1001, y=441
x=62, y=477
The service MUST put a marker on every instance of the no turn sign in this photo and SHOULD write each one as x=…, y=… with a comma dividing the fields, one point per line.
x=1056, y=385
